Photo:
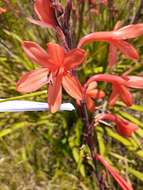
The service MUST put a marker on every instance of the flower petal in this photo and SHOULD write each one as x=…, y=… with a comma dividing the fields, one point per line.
x=114, y=96
x=125, y=128
x=123, y=184
x=56, y=53
x=114, y=79
x=107, y=117
x=38, y=22
x=33, y=80
x=90, y=104
x=55, y=105
x=53, y=90
x=91, y=86
x=74, y=58
x=72, y=86
x=37, y=54
x=96, y=36
x=45, y=12
x=95, y=93
x=125, y=95
x=134, y=82
x=126, y=48
x=130, y=31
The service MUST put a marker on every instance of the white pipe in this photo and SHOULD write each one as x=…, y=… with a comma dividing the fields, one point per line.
x=22, y=105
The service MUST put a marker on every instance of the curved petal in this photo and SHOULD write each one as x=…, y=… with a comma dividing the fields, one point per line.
x=96, y=36
x=113, y=97
x=38, y=22
x=126, y=48
x=123, y=184
x=90, y=104
x=72, y=86
x=37, y=54
x=134, y=82
x=74, y=58
x=130, y=31
x=56, y=53
x=114, y=79
x=125, y=95
x=33, y=80
x=45, y=12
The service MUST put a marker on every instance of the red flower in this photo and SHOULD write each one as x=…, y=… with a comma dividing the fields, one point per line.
x=123, y=184
x=91, y=92
x=45, y=13
x=130, y=82
x=56, y=66
x=119, y=88
x=117, y=38
x=2, y=10
x=124, y=127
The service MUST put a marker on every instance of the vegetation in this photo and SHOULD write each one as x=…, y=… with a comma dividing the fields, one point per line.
x=42, y=151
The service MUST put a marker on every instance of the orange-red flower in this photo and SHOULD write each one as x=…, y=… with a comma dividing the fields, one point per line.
x=124, y=127
x=119, y=88
x=55, y=71
x=123, y=184
x=117, y=38
x=45, y=13
x=130, y=82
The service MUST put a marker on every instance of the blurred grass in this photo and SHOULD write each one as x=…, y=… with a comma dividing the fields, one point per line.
x=41, y=151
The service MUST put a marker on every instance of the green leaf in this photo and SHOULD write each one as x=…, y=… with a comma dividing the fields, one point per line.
x=101, y=144
x=24, y=96
x=126, y=142
x=136, y=173
x=13, y=128
x=130, y=118
x=133, y=107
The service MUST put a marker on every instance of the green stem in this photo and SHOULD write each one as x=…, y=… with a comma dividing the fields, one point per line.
x=25, y=96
